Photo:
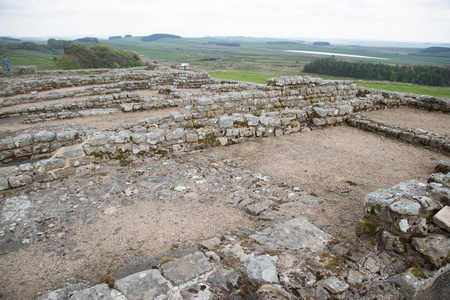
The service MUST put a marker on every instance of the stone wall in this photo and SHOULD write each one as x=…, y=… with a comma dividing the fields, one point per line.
x=216, y=114
x=18, y=71
x=412, y=219
x=154, y=79
x=406, y=134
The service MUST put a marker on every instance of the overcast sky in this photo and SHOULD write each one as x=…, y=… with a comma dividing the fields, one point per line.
x=385, y=20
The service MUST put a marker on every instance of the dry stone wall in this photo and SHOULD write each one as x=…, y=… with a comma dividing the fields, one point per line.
x=215, y=115
x=18, y=71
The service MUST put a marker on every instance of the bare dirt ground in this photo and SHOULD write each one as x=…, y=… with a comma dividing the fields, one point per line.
x=88, y=225
x=340, y=164
x=436, y=122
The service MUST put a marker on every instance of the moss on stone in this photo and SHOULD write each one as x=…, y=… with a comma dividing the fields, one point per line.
x=367, y=228
x=417, y=271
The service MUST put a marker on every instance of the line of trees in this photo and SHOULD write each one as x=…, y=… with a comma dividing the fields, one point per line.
x=424, y=75
x=53, y=46
x=97, y=56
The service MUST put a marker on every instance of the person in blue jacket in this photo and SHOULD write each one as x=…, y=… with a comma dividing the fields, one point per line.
x=5, y=63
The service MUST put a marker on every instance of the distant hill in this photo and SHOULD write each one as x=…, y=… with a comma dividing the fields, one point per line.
x=115, y=37
x=222, y=44
x=87, y=40
x=9, y=39
x=434, y=50
x=157, y=36
x=283, y=43
x=128, y=35
x=321, y=44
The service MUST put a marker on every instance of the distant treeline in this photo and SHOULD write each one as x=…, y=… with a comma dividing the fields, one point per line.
x=97, y=56
x=157, y=36
x=434, y=50
x=424, y=75
x=52, y=46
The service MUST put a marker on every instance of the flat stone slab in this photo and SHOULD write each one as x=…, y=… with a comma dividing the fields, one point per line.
x=435, y=248
x=295, y=234
x=97, y=292
x=442, y=218
x=143, y=285
x=260, y=269
x=188, y=267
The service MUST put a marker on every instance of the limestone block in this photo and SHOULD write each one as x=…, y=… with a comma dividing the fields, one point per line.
x=442, y=218
x=319, y=121
x=144, y=285
x=122, y=137
x=64, y=173
x=334, y=285
x=20, y=180
x=175, y=134
x=72, y=152
x=405, y=207
x=260, y=269
x=211, y=244
x=44, y=136
x=26, y=167
x=251, y=120
x=3, y=183
x=354, y=277
x=392, y=242
x=191, y=137
x=64, y=293
x=98, y=140
x=296, y=234
x=416, y=279
x=188, y=267
x=66, y=136
x=435, y=248
x=205, y=101
x=80, y=161
x=7, y=144
x=138, y=138
x=443, y=166
x=51, y=164
x=97, y=292
x=270, y=291
x=155, y=135
x=224, y=278
x=23, y=140
x=226, y=122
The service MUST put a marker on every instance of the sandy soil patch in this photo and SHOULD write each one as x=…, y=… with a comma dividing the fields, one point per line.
x=436, y=122
x=340, y=164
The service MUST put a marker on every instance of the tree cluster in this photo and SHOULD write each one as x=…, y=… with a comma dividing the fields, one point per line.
x=52, y=46
x=424, y=75
x=157, y=36
x=98, y=56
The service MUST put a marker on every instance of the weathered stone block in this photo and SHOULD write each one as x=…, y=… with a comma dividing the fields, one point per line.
x=64, y=173
x=175, y=134
x=66, y=136
x=186, y=268
x=44, y=136
x=3, y=183
x=20, y=180
x=52, y=164
x=23, y=140
x=80, y=161
x=143, y=285
x=226, y=122
x=442, y=218
x=260, y=269
x=435, y=248
x=98, y=140
x=97, y=292
x=72, y=152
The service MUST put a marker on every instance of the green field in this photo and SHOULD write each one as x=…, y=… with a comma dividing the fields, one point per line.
x=407, y=88
x=242, y=76
x=255, y=60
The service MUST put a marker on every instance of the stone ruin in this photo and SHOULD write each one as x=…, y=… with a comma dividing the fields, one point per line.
x=406, y=224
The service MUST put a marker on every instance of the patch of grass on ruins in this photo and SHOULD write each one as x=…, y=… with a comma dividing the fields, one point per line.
x=407, y=88
x=242, y=76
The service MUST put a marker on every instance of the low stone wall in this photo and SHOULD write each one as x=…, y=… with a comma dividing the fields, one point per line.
x=154, y=79
x=412, y=219
x=388, y=99
x=410, y=135
x=18, y=71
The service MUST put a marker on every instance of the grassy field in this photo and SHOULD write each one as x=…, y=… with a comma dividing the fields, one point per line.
x=255, y=60
x=242, y=76
x=407, y=88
